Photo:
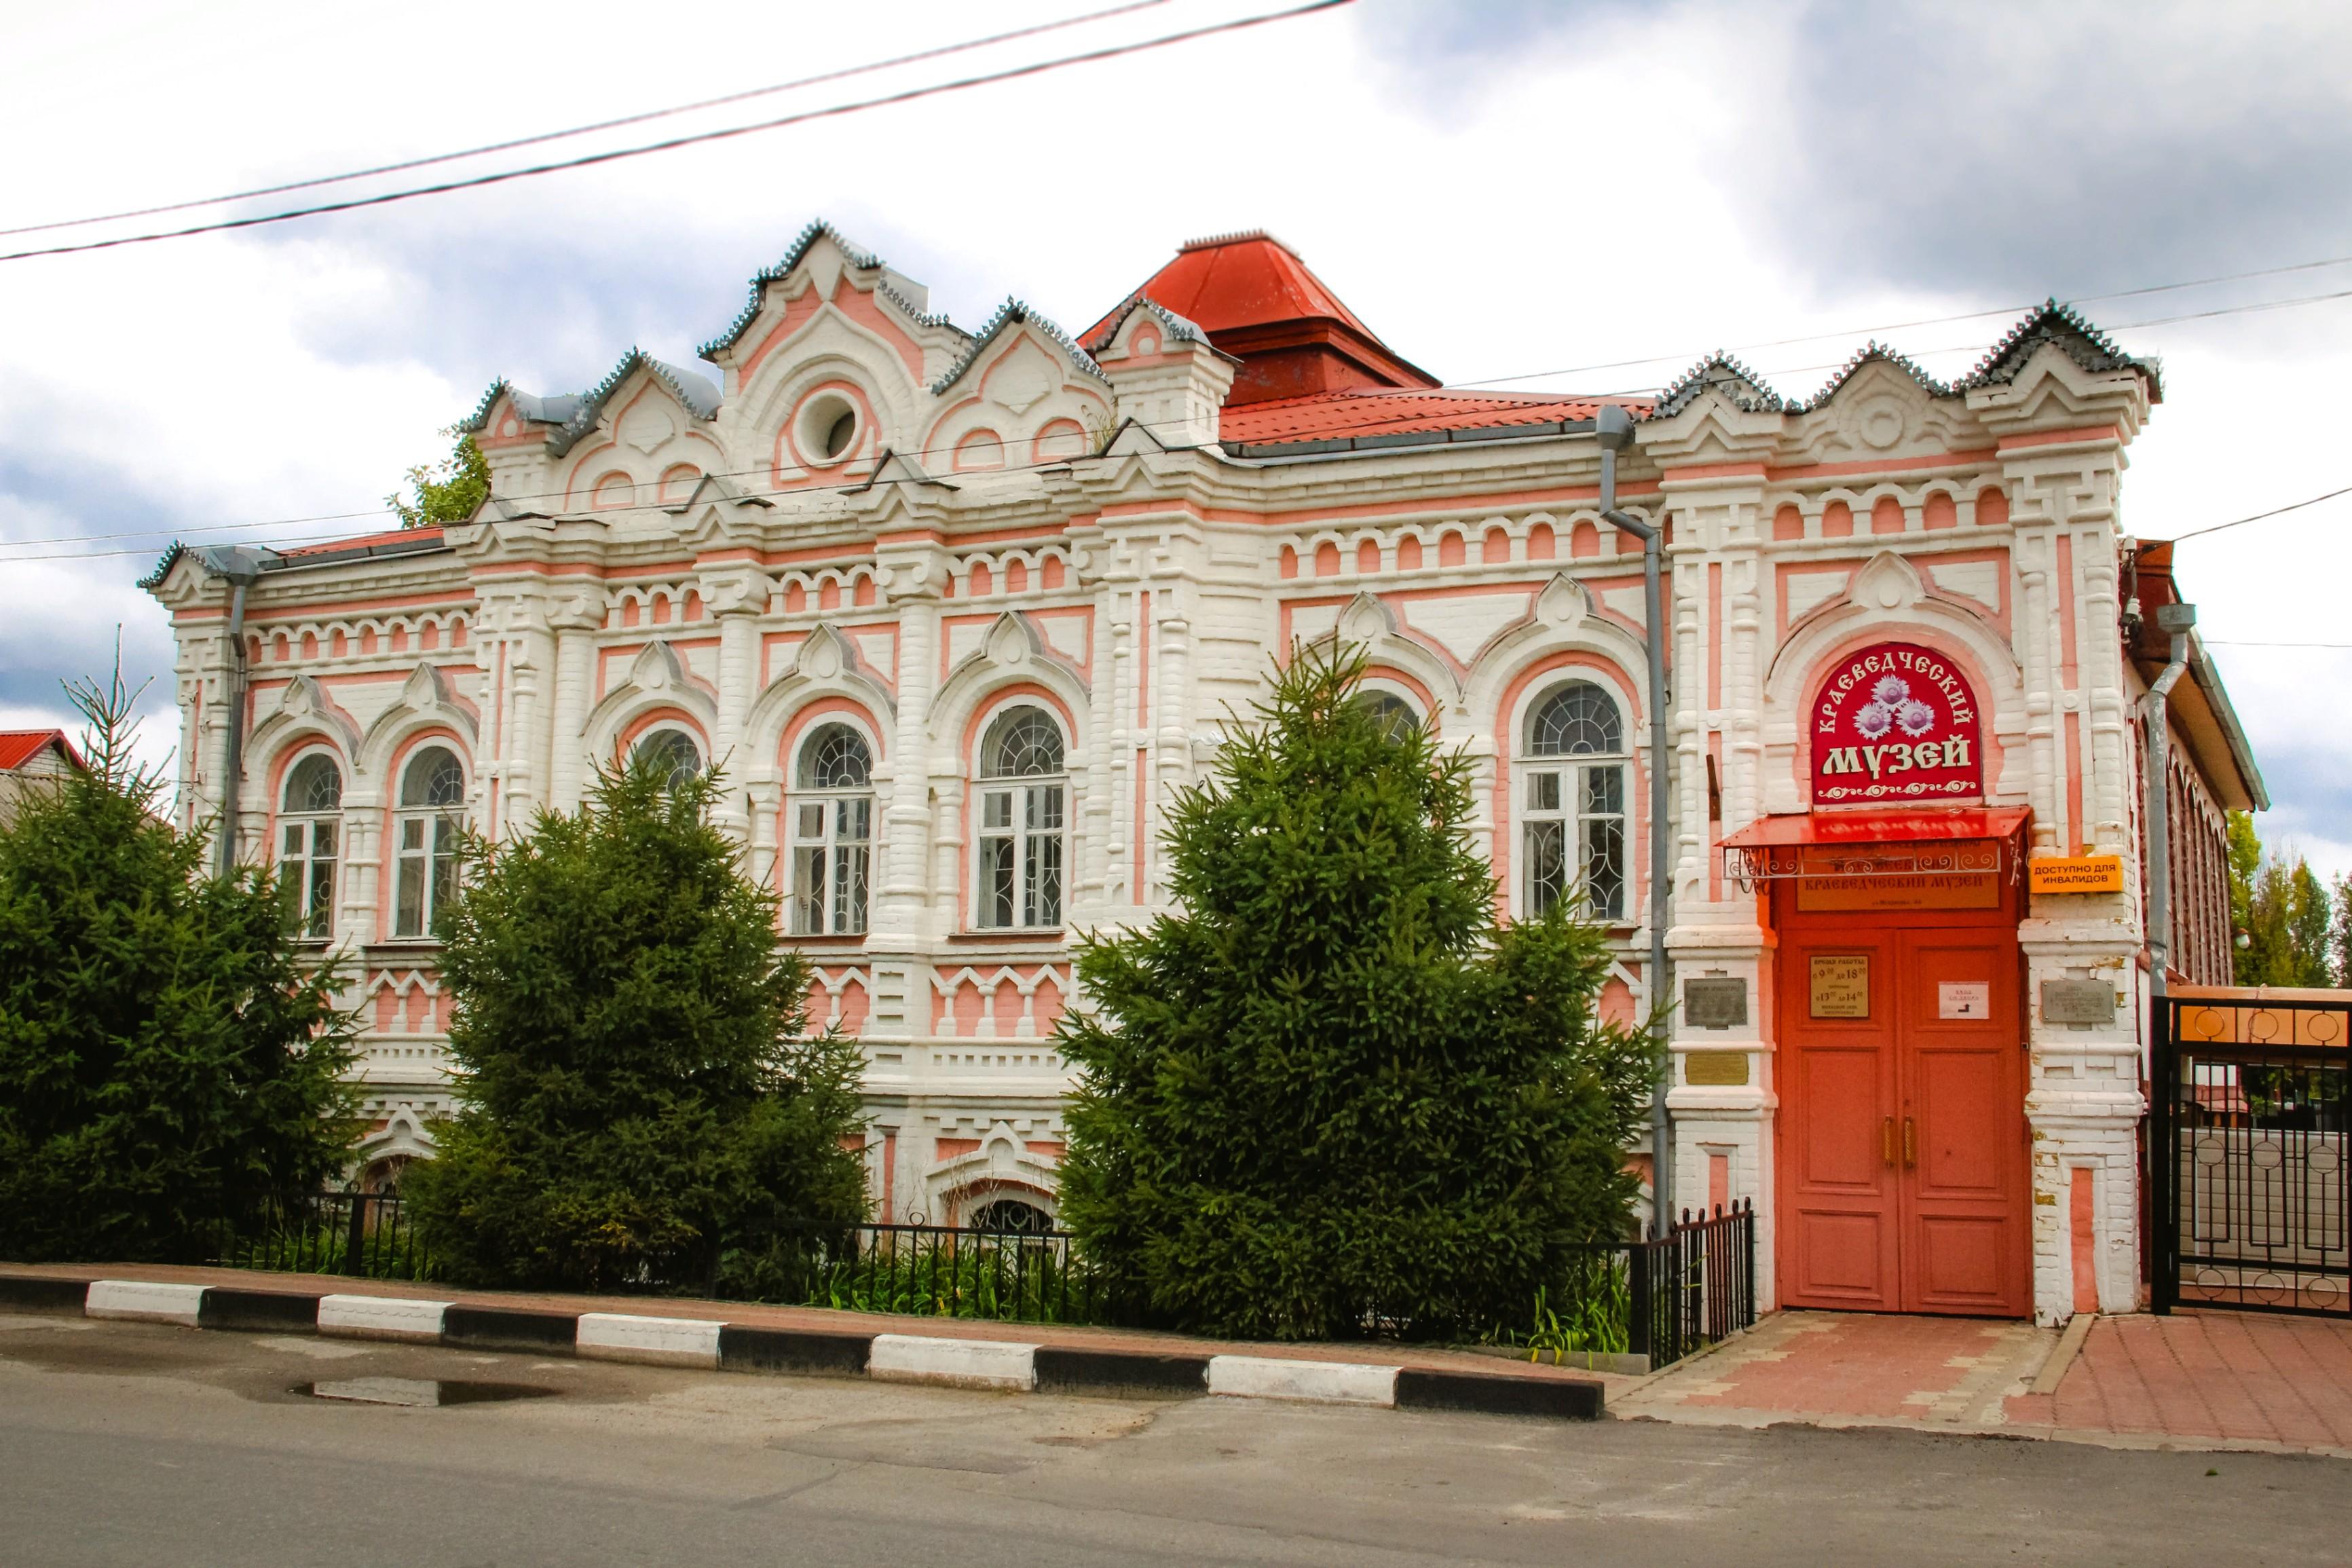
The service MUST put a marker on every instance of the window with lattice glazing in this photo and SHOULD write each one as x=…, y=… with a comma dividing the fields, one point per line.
x=1022, y=806
x=831, y=833
x=310, y=834
x=1571, y=803
x=426, y=829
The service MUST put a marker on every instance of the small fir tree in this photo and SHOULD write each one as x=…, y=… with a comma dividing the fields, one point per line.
x=637, y=1100
x=1333, y=1094
x=165, y=1049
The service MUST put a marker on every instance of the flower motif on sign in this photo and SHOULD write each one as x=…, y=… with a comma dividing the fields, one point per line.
x=1891, y=703
x=1896, y=721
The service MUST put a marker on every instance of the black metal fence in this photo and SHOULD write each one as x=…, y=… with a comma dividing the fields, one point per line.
x=1662, y=1297
x=365, y=1234
x=946, y=1271
x=1692, y=1286
x=2250, y=1195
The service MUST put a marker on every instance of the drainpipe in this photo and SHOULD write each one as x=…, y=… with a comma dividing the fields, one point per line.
x=2176, y=619
x=239, y=565
x=1613, y=428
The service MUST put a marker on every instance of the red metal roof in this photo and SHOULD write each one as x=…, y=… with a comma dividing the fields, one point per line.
x=1258, y=302
x=1875, y=826
x=19, y=747
x=1389, y=411
x=1239, y=281
x=396, y=536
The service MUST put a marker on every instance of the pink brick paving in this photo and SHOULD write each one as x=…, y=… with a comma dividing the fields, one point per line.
x=2233, y=1376
x=2204, y=1377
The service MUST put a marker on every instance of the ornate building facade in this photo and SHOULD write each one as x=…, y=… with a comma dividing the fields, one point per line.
x=957, y=613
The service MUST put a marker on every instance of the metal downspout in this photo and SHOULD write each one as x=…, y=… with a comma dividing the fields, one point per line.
x=1613, y=428
x=240, y=566
x=2176, y=619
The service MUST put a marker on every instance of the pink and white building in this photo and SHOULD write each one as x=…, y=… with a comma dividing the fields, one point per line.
x=957, y=612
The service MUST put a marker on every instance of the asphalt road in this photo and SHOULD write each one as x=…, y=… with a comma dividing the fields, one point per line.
x=127, y=1444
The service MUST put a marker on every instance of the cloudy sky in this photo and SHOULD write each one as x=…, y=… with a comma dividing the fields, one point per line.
x=1577, y=195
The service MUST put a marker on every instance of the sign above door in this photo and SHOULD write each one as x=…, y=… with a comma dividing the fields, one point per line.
x=1895, y=724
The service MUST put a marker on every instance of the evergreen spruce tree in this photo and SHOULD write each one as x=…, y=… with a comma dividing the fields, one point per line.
x=164, y=1047
x=1331, y=1092
x=636, y=1100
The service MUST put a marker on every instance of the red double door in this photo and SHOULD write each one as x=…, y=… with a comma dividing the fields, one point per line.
x=1903, y=1167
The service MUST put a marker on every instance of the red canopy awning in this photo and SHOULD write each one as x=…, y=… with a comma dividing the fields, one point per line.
x=1932, y=840
x=1920, y=824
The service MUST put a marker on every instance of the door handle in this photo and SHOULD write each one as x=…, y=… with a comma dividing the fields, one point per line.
x=1887, y=1141
x=1910, y=1143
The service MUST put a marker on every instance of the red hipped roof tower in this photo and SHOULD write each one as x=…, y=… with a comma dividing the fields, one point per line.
x=1258, y=302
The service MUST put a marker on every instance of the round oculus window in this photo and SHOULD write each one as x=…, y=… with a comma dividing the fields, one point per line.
x=828, y=428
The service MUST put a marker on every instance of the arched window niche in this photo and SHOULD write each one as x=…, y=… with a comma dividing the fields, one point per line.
x=1022, y=803
x=310, y=838
x=832, y=832
x=1571, y=802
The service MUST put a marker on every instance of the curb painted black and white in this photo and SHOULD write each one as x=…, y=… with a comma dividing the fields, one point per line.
x=743, y=1347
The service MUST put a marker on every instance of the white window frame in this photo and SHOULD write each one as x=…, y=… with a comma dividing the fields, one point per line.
x=310, y=845
x=424, y=836
x=830, y=838
x=1569, y=807
x=1020, y=838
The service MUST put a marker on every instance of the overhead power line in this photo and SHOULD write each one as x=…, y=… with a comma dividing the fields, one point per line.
x=544, y=137
x=2257, y=516
x=590, y=159
x=1688, y=356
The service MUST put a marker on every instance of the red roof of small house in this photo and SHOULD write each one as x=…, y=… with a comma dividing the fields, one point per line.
x=19, y=747
x=1258, y=302
x=1370, y=412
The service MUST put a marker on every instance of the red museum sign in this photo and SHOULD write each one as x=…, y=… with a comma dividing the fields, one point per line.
x=1895, y=722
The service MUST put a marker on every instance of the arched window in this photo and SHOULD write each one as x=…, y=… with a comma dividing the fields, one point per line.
x=1572, y=802
x=833, y=832
x=671, y=753
x=309, y=829
x=432, y=793
x=1022, y=797
x=1392, y=713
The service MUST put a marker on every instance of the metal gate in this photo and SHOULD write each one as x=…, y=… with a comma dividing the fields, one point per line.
x=2249, y=1198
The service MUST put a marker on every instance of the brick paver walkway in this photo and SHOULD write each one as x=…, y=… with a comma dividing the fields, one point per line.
x=2194, y=1379
x=2232, y=1375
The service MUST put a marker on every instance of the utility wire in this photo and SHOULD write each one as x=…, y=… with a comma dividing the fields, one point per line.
x=2257, y=516
x=544, y=137
x=1968, y=316
x=1361, y=427
x=590, y=159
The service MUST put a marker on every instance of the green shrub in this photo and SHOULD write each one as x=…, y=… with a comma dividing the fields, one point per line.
x=161, y=1039
x=1332, y=1096
x=637, y=1105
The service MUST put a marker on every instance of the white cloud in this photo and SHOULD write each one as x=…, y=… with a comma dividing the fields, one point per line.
x=1495, y=189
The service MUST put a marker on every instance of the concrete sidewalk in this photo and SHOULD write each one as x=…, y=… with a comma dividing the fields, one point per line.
x=2232, y=1381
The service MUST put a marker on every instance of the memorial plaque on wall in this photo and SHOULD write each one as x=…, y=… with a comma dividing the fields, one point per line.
x=1715, y=1004
x=1840, y=986
x=2077, y=1001
x=1715, y=1070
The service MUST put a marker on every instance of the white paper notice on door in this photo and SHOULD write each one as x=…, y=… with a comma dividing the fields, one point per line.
x=1964, y=999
